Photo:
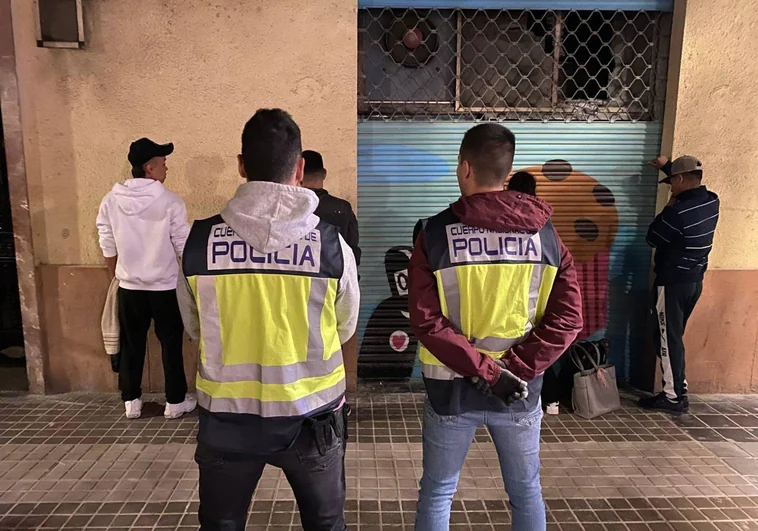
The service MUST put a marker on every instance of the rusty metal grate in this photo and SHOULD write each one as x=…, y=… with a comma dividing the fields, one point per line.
x=458, y=64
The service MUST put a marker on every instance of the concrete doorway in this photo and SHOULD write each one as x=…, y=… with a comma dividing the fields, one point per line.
x=12, y=356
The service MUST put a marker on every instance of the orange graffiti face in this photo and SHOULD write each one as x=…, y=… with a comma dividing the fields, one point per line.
x=584, y=211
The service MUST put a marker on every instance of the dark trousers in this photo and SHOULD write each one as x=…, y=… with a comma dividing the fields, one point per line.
x=551, y=391
x=673, y=307
x=317, y=476
x=136, y=309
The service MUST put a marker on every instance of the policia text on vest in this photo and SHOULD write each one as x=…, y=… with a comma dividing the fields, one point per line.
x=228, y=251
x=474, y=244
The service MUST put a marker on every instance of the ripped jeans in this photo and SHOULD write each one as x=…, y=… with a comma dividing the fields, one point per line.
x=446, y=442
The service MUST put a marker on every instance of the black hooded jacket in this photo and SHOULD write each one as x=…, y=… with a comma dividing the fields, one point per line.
x=339, y=213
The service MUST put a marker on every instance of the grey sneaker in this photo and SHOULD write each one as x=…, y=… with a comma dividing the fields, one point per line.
x=133, y=409
x=174, y=411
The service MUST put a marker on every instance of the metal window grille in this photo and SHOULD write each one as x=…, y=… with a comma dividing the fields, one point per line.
x=459, y=64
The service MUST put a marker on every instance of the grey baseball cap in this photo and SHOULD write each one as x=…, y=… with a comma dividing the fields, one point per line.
x=683, y=164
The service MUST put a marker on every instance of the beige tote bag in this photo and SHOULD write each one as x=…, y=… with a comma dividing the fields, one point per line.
x=595, y=391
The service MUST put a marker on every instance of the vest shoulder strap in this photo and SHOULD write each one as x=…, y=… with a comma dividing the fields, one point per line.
x=332, y=260
x=435, y=238
x=550, y=244
x=195, y=256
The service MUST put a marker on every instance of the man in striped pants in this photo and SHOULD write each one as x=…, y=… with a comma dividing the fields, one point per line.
x=682, y=235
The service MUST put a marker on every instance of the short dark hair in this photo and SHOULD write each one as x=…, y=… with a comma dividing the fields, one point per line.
x=696, y=175
x=271, y=146
x=314, y=163
x=523, y=182
x=489, y=149
x=138, y=172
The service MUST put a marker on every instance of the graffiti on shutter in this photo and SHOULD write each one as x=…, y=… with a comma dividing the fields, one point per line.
x=594, y=176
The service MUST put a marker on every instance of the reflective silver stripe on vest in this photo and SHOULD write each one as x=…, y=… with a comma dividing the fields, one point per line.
x=278, y=374
x=497, y=344
x=438, y=372
x=490, y=344
x=210, y=326
x=452, y=295
x=254, y=406
x=210, y=323
x=534, y=295
x=316, y=299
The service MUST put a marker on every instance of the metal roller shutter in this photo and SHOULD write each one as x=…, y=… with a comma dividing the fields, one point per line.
x=594, y=175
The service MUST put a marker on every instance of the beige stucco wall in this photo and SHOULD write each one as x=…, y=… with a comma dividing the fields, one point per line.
x=187, y=71
x=717, y=118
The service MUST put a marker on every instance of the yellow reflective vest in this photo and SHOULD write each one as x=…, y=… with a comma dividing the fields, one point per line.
x=269, y=344
x=493, y=287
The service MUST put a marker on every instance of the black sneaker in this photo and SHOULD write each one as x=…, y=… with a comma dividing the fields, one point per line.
x=660, y=402
x=686, y=404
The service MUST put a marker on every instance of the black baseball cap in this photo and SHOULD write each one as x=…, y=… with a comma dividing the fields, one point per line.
x=143, y=150
x=314, y=162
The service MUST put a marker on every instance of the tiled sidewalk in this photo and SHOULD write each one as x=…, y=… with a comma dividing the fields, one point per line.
x=75, y=463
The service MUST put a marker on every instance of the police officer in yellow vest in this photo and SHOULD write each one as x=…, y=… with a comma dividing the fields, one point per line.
x=271, y=294
x=494, y=301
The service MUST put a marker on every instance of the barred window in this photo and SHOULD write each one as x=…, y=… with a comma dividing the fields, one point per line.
x=459, y=64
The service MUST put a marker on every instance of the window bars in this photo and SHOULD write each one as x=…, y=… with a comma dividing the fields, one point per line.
x=527, y=65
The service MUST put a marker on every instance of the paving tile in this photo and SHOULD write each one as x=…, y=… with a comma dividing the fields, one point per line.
x=750, y=448
x=737, y=434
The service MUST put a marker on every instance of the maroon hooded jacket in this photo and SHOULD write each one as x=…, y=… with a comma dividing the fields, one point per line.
x=503, y=212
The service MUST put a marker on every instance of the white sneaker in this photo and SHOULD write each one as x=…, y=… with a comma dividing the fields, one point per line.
x=174, y=411
x=133, y=408
x=552, y=408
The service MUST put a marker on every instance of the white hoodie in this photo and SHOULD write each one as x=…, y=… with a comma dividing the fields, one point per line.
x=270, y=217
x=146, y=226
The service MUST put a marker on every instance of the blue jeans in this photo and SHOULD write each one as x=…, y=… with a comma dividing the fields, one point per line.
x=446, y=443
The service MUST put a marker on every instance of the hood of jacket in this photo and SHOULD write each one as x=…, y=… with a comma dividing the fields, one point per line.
x=503, y=211
x=270, y=216
x=135, y=195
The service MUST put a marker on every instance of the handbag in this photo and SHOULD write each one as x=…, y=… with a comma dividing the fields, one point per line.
x=595, y=391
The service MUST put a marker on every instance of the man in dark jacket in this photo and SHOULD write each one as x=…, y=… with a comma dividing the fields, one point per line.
x=494, y=300
x=333, y=210
x=682, y=235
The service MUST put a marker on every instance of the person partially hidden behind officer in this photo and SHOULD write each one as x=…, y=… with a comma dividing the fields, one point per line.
x=143, y=228
x=520, y=181
x=494, y=301
x=682, y=235
x=523, y=182
x=270, y=291
x=331, y=209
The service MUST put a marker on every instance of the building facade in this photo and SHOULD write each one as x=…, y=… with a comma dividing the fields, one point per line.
x=385, y=90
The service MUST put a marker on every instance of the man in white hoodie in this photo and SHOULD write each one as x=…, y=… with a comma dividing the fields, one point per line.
x=271, y=293
x=143, y=228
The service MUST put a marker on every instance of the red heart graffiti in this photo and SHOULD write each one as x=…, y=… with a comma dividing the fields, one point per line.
x=398, y=341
